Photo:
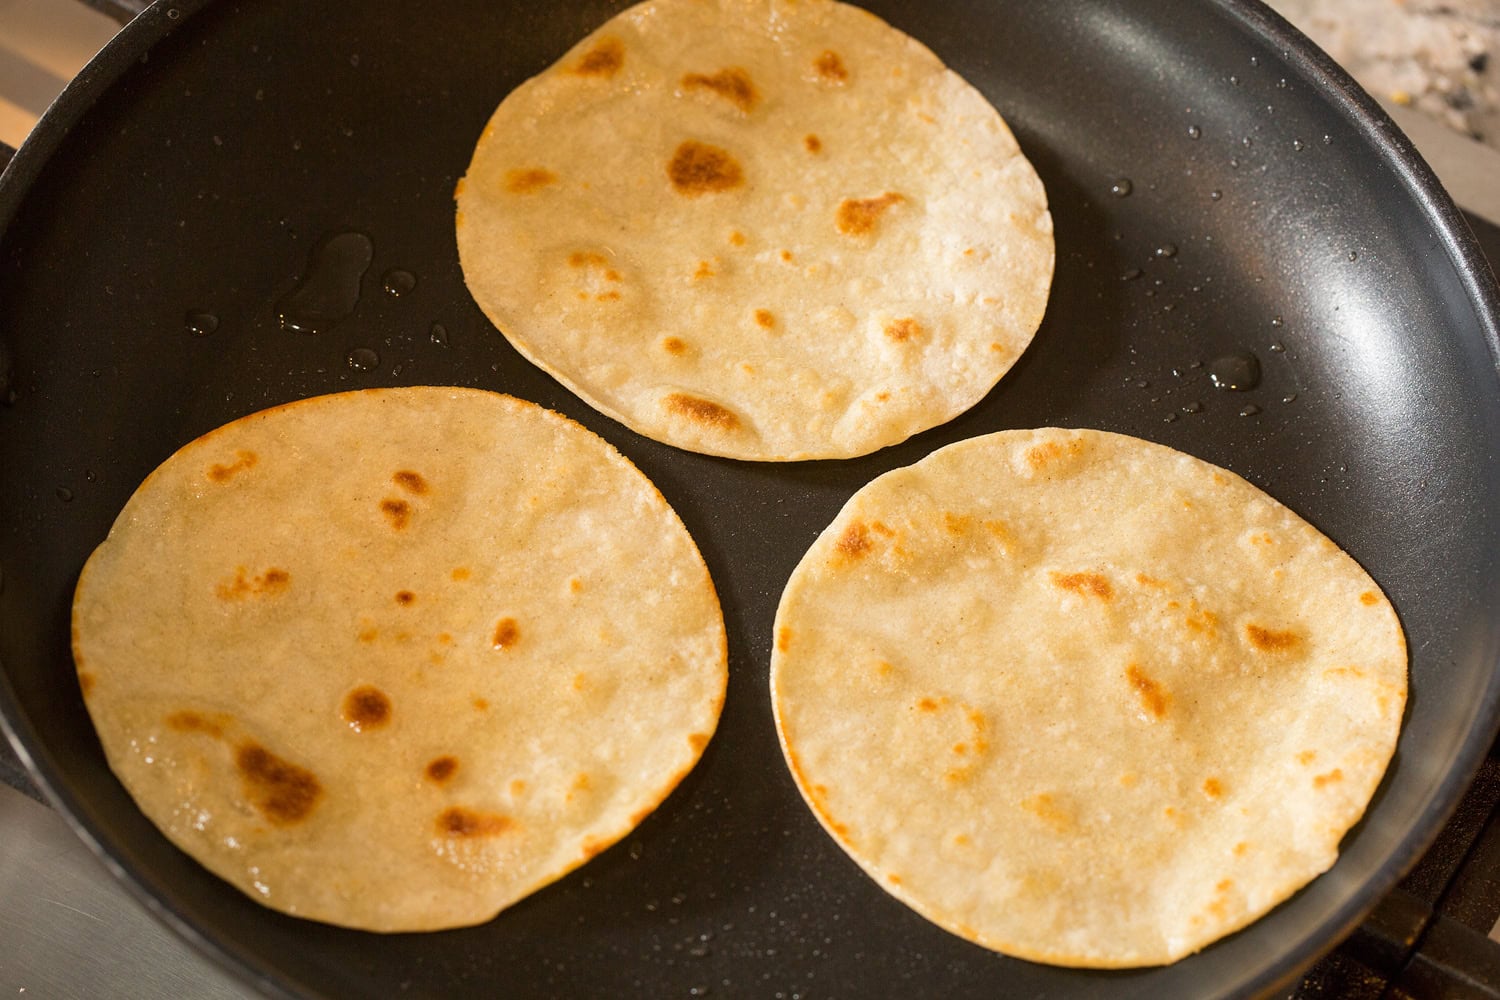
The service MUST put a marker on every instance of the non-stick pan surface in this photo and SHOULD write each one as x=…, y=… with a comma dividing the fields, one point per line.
x=199, y=162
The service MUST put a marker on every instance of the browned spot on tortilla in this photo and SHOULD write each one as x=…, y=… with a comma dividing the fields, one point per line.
x=1041, y=455
x=610, y=274
x=855, y=542
x=528, y=180
x=1213, y=788
x=461, y=573
x=1368, y=598
x=1307, y=757
x=1241, y=849
x=858, y=216
x=604, y=59
x=607, y=297
x=1044, y=808
x=901, y=330
x=783, y=638
x=765, y=318
x=575, y=585
x=957, y=524
x=928, y=705
x=893, y=878
x=223, y=473
x=507, y=634
x=1201, y=620
x=397, y=512
x=411, y=482
x=444, y=639
x=705, y=270
x=405, y=597
x=1154, y=697
x=369, y=633
x=1272, y=640
x=786, y=255
x=737, y=238
x=1149, y=581
x=458, y=821
x=367, y=707
x=272, y=581
x=673, y=345
x=480, y=704
x=1130, y=779
x=830, y=67
x=187, y=721
x=441, y=769
x=813, y=143
x=283, y=792
x=593, y=846
x=587, y=258
x=86, y=682
x=698, y=741
x=698, y=168
x=1087, y=584
x=733, y=84
x=701, y=411
x=1332, y=777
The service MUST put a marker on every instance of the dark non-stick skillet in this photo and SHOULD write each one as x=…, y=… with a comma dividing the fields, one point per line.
x=178, y=190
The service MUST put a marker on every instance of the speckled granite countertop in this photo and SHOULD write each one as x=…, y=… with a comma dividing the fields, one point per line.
x=1440, y=57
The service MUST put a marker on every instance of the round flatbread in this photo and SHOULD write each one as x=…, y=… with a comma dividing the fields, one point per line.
x=758, y=229
x=1081, y=698
x=394, y=659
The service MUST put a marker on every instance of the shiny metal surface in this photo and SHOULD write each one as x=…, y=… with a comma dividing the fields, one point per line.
x=68, y=930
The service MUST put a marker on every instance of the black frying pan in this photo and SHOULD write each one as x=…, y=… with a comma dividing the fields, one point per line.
x=196, y=163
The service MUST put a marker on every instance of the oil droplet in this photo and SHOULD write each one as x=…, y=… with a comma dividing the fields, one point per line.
x=64, y=494
x=1234, y=163
x=1247, y=142
x=329, y=289
x=1234, y=81
x=1121, y=187
x=89, y=475
x=1328, y=140
x=1297, y=145
x=1194, y=132
x=1170, y=418
x=199, y=323
x=1354, y=255
x=1131, y=274
x=363, y=359
x=636, y=850
x=1215, y=195
x=1255, y=60
x=1277, y=346
x=1236, y=372
x=173, y=13
x=1277, y=321
x=1250, y=410
x=1167, y=250
x=1193, y=407
x=398, y=282
x=438, y=334
x=1281, y=84
x=1290, y=397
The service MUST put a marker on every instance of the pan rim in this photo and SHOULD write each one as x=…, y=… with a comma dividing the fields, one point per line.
x=1259, y=23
